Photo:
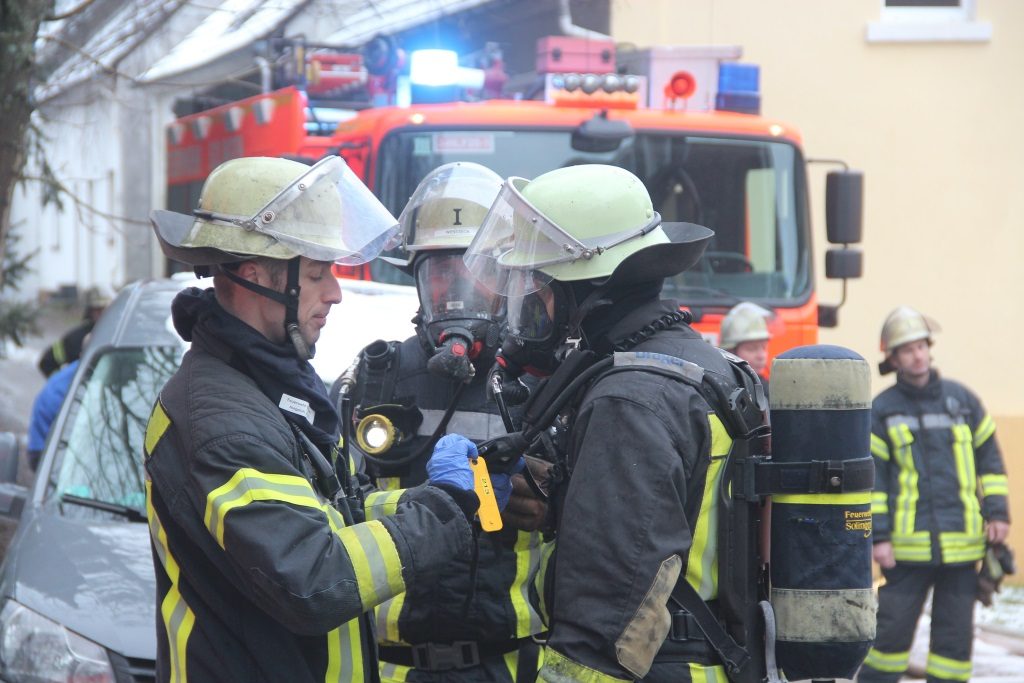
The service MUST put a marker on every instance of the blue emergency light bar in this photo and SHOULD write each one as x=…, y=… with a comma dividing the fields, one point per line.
x=739, y=88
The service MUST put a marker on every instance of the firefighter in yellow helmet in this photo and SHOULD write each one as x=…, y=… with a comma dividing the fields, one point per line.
x=432, y=383
x=581, y=255
x=940, y=496
x=266, y=568
x=744, y=332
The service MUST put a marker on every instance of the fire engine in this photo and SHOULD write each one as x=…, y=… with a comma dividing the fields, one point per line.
x=685, y=120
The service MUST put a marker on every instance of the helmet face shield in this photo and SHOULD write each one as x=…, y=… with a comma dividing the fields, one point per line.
x=448, y=292
x=326, y=214
x=447, y=207
x=517, y=242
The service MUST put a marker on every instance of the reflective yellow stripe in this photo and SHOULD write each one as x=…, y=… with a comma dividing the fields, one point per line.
x=344, y=654
x=546, y=552
x=335, y=645
x=854, y=498
x=994, y=485
x=879, y=448
x=948, y=669
x=375, y=560
x=986, y=428
x=879, y=503
x=248, y=485
x=177, y=616
x=59, y=354
x=558, y=668
x=394, y=673
x=387, y=620
x=911, y=553
x=158, y=424
x=512, y=663
x=527, y=549
x=963, y=455
x=707, y=674
x=702, y=559
x=382, y=503
x=906, y=498
x=353, y=668
x=960, y=546
x=890, y=662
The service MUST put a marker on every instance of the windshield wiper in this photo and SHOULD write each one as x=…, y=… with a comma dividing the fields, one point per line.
x=132, y=514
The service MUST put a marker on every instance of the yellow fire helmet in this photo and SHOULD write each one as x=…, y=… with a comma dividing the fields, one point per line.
x=280, y=209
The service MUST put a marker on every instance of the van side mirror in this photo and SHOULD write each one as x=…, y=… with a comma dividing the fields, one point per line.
x=844, y=206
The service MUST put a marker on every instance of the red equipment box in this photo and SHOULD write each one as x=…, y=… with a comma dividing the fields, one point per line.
x=563, y=54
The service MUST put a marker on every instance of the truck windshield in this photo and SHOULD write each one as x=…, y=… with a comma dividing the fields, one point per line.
x=751, y=192
x=100, y=449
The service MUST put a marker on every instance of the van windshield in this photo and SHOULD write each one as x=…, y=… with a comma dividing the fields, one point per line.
x=99, y=455
x=751, y=192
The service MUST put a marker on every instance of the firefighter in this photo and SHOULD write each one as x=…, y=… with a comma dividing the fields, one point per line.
x=69, y=347
x=582, y=255
x=745, y=333
x=940, y=494
x=432, y=633
x=265, y=571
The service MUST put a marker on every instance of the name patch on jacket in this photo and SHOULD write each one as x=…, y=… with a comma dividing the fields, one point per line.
x=297, y=406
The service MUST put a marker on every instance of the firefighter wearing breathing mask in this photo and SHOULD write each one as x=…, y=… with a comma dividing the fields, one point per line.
x=581, y=256
x=475, y=623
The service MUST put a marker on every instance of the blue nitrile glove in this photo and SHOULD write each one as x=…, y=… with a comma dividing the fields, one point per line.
x=450, y=462
x=502, y=483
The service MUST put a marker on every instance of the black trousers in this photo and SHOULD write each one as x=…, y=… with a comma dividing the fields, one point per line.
x=900, y=602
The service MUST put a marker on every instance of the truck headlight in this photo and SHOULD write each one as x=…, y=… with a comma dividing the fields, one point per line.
x=34, y=649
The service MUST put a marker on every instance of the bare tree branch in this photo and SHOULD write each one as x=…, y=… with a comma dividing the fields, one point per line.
x=80, y=203
x=70, y=13
x=110, y=71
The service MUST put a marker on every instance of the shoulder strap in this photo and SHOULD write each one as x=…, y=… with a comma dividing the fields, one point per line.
x=733, y=656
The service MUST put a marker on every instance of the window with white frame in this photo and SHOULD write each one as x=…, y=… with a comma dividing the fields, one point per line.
x=928, y=21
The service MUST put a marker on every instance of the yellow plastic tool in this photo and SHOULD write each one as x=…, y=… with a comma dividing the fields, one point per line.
x=490, y=516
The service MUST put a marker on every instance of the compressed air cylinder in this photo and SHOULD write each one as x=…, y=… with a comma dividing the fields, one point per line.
x=821, y=542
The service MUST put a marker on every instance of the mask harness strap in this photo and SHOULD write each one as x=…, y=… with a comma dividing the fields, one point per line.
x=289, y=298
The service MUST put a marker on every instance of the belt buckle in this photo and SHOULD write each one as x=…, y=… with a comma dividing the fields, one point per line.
x=685, y=627
x=460, y=654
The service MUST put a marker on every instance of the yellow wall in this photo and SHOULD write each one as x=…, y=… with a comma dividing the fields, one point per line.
x=938, y=129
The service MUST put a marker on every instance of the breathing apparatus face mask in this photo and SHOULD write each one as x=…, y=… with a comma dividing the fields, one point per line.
x=538, y=325
x=460, y=320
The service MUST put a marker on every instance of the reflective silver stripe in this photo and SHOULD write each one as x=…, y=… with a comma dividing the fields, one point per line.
x=678, y=366
x=926, y=421
x=912, y=422
x=473, y=426
x=939, y=421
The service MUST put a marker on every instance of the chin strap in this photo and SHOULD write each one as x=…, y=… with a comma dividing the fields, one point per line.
x=289, y=298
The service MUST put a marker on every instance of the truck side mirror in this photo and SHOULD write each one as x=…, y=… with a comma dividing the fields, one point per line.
x=844, y=206
x=842, y=264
